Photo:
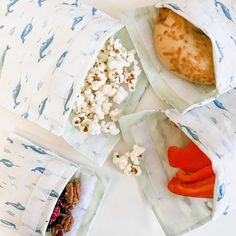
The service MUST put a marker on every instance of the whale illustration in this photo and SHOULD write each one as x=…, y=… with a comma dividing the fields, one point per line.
x=219, y=105
x=17, y=205
x=220, y=51
x=234, y=40
x=76, y=3
x=224, y=9
x=39, y=169
x=61, y=59
x=42, y=106
x=15, y=95
x=191, y=132
x=8, y=223
x=76, y=21
x=66, y=109
x=10, y=5
x=40, y=2
x=7, y=163
x=44, y=47
x=28, y=28
x=26, y=114
x=2, y=59
x=221, y=192
x=54, y=194
x=94, y=10
x=34, y=148
x=10, y=140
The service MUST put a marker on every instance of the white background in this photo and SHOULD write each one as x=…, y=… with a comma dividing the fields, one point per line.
x=125, y=211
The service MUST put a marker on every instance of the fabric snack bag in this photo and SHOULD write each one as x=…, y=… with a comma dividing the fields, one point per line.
x=32, y=180
x=210, y=17
x=44, y=62
x=212, y=129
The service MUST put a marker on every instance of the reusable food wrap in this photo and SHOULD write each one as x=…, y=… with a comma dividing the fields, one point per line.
x=212, y=129
x=46, y=50
x=211, y=16
x=32, y=180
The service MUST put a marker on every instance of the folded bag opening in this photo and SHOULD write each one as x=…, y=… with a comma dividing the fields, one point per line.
x=45, y=176
x=60, y=54
x=141, y=23
x=176, y=214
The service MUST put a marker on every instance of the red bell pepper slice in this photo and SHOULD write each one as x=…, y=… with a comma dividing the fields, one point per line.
x=200, y=189
x=189, y=158
x=201, y=174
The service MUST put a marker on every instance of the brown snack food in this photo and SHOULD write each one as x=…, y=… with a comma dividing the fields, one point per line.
x=62, y=220
x=67, y=223
x=73, y=193
x=183, y=48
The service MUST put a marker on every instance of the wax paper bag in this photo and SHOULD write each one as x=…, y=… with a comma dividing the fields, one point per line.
x=46, y=50
x=212, y=129
x=33, y=178
x=211, y=16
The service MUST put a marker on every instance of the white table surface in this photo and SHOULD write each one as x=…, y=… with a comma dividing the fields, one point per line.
x=125, y=211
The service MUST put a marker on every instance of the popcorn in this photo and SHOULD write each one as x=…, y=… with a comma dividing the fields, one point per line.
x=120, y=95
x=130, y=161
x=119, y=161
x=115, y=114
x=108, y=82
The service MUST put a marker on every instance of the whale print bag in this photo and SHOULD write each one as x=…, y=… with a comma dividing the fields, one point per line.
x=44, y=61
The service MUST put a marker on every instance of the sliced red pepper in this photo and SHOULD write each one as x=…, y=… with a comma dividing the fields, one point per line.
x=201, y=174
x=200, y=189
x=189, y=158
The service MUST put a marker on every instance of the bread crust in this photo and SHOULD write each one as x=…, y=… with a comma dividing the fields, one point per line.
x=183, y=48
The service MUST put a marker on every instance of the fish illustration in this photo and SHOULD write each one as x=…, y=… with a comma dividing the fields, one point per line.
x=2, y=59
x=221, y=192
x=34, y=148
x=174, y=6
x=1, y=26
x=76, y=21
x=10, y=140
x=15, y=95
x=234, y=40
x=39, y=85
x=8, y=223
x=76, y=3
x=94, y=10
x=220, y=51
x=226, y=210
x=28, y=28
x=191, y=132
x=61, y=59
x=44, y=47
x=42, y=106
x=54, y=194
x=66, y=109
x=40, y=2
x=224, y=9
x=17, y=205
x=219, y=105
x=10, y=5
x=7, y=163
x=10, y=213
x=39, y=169
x=26, y=114
x=214, y=120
